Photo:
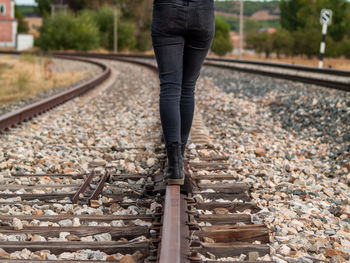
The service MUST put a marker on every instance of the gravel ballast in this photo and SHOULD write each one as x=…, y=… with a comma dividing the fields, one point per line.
x=289, y=141
x=74, y=138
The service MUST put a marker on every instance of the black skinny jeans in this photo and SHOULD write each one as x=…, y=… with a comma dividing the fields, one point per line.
x=182, y=33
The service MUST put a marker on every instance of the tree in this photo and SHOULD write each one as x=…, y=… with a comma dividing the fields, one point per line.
x=22, y=26
x=43, y=7
x=345, y=48
x=104, y=19
x=261, y=42
x=340, y=20
x=307, y=42
x=139, y=12
x=97, y=4
x=283, y=42
x=221, y=43
x=65, y=31
x=289, y=10
x=77, y=5
x=301, y=18
x=300, y=14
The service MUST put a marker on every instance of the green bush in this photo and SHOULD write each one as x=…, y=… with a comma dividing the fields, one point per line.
x=22, y=26
x=283, y=42
x=221, y=43
x=87, y=33
x=332, y=48
x=126, y=38
x=345, y=48
x=260, y=42
x=104, y=19
x=143, y=40
x=66, y=31
x=307, y=42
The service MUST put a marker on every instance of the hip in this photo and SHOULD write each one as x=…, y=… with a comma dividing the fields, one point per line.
x=186, y=3
x=169, y=16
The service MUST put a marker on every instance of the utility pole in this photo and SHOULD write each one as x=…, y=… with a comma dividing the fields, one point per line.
x=241, y=21
x=115, y=30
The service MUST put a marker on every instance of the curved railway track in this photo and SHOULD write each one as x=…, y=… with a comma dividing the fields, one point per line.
x=177, y=233
x=330, y=78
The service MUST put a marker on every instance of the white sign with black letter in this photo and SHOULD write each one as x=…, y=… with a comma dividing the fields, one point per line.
x=326, y=16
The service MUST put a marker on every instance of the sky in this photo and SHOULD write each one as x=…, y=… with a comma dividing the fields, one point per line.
x=25, y=2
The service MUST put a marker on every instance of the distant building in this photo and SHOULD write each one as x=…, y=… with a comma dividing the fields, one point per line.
x=34, y=24
x=270, y=30
x=8, y=23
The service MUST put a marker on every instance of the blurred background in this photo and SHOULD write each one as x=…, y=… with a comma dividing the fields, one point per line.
x=285, y=31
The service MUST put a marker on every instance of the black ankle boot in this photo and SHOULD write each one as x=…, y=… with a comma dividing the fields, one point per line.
x=174, y=173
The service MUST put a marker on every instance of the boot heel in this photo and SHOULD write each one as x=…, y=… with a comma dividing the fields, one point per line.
x=175, y=181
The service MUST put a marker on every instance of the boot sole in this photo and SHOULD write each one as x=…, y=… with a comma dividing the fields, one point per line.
x=175, y=181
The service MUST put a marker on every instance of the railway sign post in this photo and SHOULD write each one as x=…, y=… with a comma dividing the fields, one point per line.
x=325, y=20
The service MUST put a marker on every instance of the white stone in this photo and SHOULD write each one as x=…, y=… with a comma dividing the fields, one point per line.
x=66, y=256
x=117, y=223
x=76, y=221
x=139, y=222
x=65, y=222
x=103, y=237
x=17, y=224
x=151, y=162
x=87, y=239
x=63, y=235
x=285, y=250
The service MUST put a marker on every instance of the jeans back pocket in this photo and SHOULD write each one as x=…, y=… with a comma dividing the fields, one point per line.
x=163, y=16
x=204, y=19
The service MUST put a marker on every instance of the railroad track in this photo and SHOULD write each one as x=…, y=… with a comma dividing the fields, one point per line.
x=67, y=229
x=211, y=218
x=330, y=78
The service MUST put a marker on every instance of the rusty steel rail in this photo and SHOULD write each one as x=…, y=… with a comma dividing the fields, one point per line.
x=335, y=72
x=24, y=114
x=173, y=244
x=294, y=77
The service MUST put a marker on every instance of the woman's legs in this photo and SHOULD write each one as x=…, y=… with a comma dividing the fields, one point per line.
x=169, y=59
x=179, y=65
x=182, y=34
x=169, y=54
x=192, y=63
x=199, y=37
x=181, y=42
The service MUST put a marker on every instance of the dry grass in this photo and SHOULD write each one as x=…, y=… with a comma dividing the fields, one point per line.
x=29, y=75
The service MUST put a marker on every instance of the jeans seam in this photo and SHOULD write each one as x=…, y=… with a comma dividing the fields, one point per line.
x=187, y=15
